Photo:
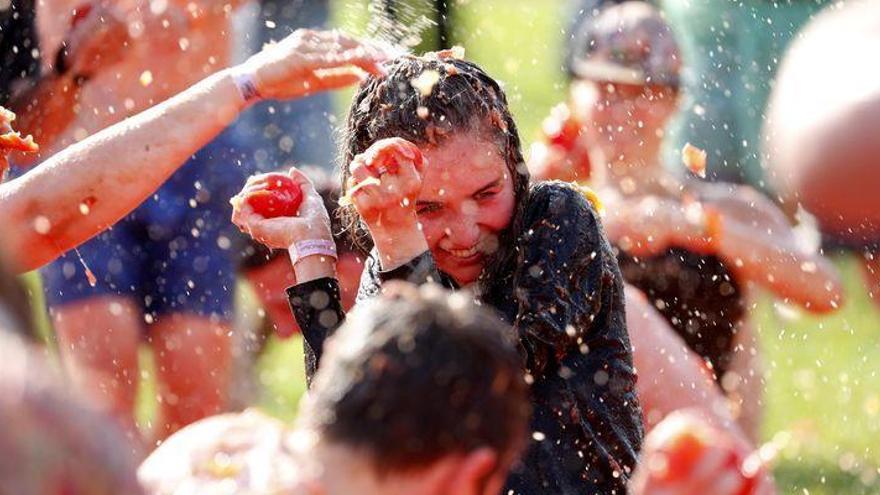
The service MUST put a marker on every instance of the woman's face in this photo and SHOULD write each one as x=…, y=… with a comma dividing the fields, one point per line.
x=467, y=199
x=619, y=118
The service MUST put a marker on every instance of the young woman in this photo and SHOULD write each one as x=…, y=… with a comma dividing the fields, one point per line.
x=436, y=177
x=692, y=247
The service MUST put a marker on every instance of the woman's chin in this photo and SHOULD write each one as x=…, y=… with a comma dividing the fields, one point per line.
x=463, y=275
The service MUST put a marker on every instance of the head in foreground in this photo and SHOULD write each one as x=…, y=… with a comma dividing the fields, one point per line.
x=420, y=392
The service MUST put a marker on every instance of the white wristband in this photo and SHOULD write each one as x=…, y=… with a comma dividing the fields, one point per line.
x=245, y=82
x=301, y=249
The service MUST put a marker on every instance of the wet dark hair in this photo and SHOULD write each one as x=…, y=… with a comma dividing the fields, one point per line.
x=418, y=374
x=464, y=99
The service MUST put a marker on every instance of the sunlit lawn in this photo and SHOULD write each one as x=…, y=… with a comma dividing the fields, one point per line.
x=823, y=374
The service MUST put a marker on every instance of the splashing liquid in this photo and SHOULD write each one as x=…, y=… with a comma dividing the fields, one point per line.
x=90, y=276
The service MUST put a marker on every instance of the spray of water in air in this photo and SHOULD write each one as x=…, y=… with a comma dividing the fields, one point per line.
x=395, y=26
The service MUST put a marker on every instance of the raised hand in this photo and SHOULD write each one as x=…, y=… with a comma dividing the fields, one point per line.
x=308, y=62
x=384, y=184
x=651, y=225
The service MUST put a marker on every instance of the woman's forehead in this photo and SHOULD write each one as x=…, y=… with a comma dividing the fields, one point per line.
x=460, y=163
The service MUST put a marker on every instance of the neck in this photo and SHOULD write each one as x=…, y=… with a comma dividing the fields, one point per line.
x=636, y=169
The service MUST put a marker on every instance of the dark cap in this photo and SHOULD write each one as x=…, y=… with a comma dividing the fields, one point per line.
x=628, y=43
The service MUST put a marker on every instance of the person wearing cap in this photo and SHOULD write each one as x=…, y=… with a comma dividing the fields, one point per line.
x=692, y=247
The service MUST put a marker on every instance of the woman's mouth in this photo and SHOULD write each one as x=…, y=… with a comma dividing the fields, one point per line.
x=465, y=255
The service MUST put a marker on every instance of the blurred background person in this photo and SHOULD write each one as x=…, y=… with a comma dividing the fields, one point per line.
x=693, y=248
x=167, y=268
x=53, y=441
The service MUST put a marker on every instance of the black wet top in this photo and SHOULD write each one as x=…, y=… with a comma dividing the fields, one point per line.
x=563, y=293
x=696, y=294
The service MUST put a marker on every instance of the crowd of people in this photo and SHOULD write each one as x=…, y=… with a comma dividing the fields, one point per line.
x=474, y=321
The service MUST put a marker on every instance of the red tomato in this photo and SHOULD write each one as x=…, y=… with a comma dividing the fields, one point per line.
x=683, y=452
x=561, y=128
x=281, y=197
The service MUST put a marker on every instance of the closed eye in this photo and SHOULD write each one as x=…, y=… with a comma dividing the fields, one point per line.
x=485, y=195
x=428, y=208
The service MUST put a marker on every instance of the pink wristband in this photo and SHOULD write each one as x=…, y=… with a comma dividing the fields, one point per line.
x=301, y=249
x=246, y=85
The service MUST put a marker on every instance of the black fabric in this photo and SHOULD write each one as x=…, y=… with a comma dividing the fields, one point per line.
x=697, y=295
x=18, y=45
x=564, y=295
x=317, y=308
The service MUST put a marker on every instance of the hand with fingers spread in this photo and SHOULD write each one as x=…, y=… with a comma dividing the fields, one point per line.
x=311, y=222
x=308, y=62
x=383, y=184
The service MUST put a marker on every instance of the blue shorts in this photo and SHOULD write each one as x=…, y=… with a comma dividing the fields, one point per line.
x=176, y=253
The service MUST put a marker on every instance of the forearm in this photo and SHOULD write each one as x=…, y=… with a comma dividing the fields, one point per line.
x=94, y=183
x=807, y=279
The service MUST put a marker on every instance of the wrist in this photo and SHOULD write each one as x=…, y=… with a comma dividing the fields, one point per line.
x=313, y=259
x=245, y=80
x=397, y=247
x=314, y=267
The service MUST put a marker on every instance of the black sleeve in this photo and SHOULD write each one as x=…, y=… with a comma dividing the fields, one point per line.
x=318, y=311
x=565, y=278
x=418, y=271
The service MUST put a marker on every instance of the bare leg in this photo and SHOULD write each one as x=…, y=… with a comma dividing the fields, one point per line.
x=193, y=359
x=98, y=340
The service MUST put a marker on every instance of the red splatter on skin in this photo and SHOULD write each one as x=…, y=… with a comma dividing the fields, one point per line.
x=280, y=197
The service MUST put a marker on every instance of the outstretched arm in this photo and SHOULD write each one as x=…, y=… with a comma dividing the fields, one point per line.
x=87, y=187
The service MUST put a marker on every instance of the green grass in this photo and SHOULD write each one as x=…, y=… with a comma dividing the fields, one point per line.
x=823, y=393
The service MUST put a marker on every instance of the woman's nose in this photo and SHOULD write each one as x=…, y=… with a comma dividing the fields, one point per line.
x=464, y=231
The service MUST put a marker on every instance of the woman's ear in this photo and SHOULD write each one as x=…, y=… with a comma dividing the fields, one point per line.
x=478, y=474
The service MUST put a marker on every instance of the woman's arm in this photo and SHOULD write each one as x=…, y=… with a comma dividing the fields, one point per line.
x=742, y=228
x=756, y=240
x=571, y=320
x=87, y=187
